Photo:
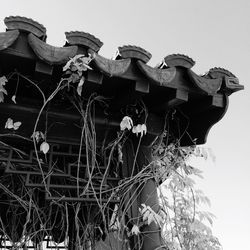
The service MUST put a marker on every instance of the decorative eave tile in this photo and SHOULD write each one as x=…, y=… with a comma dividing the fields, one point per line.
x=84, y=39
x=129, y=51
x=180, y=60
x=231, y=82
x=26, y=24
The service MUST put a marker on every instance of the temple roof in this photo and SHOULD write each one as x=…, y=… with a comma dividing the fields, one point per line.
x=172, y=85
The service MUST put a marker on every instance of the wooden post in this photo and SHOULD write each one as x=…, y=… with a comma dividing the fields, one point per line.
x=142, y=193
x=148, y=196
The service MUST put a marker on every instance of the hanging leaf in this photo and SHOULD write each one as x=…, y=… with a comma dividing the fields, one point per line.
x=120, y=154
x=9, y=123
x=79, y=87
x=13, y=98
x=12, y=125
x=44, y=147
x=3, y=91
x=135, y=230
x=139, y=129
x=38, y=135
x=78, y=63
x=126, y=123
x=16, y=125
x=74, y=77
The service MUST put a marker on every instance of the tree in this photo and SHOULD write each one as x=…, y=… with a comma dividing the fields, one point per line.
x=186, y=225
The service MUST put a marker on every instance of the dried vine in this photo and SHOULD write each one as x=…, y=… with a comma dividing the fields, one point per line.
x=27, y=216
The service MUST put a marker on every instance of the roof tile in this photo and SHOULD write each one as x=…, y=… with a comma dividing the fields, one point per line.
x=84, y=39
x=179, y=60
x=26, y=24
x=130, y=51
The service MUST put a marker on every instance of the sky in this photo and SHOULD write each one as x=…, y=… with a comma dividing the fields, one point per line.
x=214, y=34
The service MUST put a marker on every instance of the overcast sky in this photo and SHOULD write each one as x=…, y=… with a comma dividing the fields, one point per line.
x=214, y=34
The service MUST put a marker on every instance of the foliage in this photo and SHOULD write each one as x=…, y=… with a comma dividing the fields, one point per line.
x=186, y=225
x=75, y=68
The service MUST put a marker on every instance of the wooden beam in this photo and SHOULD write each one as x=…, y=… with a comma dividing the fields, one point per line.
x=94, y=76
x=217, y=101
x=142, y=86
x=44, y=68
x=208, y=103
x=181, y=96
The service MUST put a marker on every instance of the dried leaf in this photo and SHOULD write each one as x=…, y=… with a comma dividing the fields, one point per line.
x=9, y=123
x=79, y=90
x=38, y=135
x=79, y=87
x=1, y=97
x=13, y=98
x=3, y=81
x=16, y=125
x=74, y=77
x=120, y=154
x=126, y=123
x=12, y=125
x=135, y=230
x=67, y=65
x=44, y=147
x=140, y=129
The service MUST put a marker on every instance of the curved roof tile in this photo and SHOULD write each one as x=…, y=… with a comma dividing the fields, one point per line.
x=26, y=24
x=84, y=39
x=161, y=76
x=217, y=72
x=129, y=51
x=210, y=86
x=8, y=38
x=231, y=81
x=232, y=85
x=50, y=54
x=111, y=67
x=179, y=60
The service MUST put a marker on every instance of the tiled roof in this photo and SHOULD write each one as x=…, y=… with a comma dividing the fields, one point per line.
x=164, y=87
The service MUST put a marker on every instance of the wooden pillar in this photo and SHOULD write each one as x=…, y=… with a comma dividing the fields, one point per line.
x=148, y=196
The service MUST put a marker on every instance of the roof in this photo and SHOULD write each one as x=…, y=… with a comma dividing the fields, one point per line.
x=172, y=87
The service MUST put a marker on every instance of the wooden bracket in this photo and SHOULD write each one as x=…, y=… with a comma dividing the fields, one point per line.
x=181, y=96
x=142, y=86
x=94, y=76
x=218, y=101
x=208, y=103
x=44, y=68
